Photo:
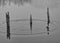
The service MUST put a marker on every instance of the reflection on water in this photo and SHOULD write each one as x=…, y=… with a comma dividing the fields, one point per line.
x=16, y=2
x=3, y=2
x=34, y=3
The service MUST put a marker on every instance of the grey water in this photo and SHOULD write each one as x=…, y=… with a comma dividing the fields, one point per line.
x=19, y=28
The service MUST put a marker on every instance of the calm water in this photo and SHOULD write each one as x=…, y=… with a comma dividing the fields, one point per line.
x=22, y=27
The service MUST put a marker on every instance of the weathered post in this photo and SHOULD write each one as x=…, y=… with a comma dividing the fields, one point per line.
x=8, y=24
x=48, y=17
x=31, y=23
x=48, y=20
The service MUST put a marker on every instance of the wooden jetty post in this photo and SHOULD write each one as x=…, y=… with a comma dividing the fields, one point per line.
x=48, y=20
x=8, y=24
x=31, y=23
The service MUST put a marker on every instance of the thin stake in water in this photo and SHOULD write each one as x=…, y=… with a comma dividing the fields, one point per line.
x=48, y=16
x=8, y=25
x=31, y=23
x=48, y=22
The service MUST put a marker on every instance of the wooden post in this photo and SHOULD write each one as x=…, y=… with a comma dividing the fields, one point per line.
x=8, y=25
x=48, y=17
x=31, y=23
x=48, y=20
